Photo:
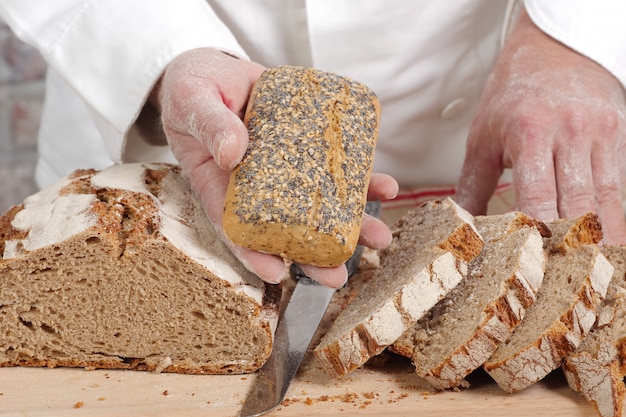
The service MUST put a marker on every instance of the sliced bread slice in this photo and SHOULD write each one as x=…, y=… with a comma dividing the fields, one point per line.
x=462, y=331
x=426, y=259
x=121, y=269
x=575, y=282
x=598, y=367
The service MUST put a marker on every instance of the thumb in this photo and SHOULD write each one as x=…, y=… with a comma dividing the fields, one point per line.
x=223, y=134
x=205, y=117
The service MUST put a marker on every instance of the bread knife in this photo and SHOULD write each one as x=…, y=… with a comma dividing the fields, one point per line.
x=294, y=332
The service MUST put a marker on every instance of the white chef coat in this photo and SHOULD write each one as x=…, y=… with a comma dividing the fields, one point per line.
x=426, y=60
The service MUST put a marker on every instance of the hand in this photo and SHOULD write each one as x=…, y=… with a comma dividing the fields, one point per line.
x=557, y=119
x=202, y=97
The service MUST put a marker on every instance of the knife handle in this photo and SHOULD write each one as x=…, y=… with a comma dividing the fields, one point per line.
x=372, y=208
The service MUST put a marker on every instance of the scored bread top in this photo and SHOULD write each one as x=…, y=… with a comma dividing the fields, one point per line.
x=301, y=187
x=68, y=208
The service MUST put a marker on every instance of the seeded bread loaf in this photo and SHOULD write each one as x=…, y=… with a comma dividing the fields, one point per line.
x=121, y=269
x=575, y=282
x=301, y=188
x=597, y=367
x=462, y=331
x=426, y=259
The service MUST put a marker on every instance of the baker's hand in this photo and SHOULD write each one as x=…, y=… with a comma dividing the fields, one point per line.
x=202, y=98
x=557, y=119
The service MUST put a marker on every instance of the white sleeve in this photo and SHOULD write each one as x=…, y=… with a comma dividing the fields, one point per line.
x=596, y=29
x=112, y=52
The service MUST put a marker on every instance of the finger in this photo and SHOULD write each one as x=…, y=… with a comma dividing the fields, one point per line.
x=611, y=214
x=480, y=173
x=534, y=183
x=382, y=187
x=333, y=277
x=375, y=234
x=271, y=269
x=574, y=179
x=606, y=176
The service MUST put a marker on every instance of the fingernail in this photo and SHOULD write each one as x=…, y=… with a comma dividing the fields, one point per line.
x=224, y=139
x=272, y=273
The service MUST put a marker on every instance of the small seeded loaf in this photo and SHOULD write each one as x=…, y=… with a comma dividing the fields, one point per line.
x=301, y=188
x=598, y=367
x=462, y=331
x=575, y=282
x=426, y=259
x=121, y=269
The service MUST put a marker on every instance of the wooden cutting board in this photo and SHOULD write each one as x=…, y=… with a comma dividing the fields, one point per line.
x=387, y=386
x=389, y=391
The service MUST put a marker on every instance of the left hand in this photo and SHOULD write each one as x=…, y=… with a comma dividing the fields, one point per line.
x=557, y=119
x=202, y=97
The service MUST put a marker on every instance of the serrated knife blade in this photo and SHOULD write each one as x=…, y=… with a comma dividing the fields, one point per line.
x=294, y=332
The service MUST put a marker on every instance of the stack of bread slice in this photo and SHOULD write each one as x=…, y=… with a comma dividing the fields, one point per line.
x=522, y=308
x=464, y=329
x=426, y=259
x=576, y=280
x=597, y=367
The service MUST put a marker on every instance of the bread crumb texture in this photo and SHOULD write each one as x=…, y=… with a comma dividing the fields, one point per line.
x=426, y=259
x=121, y=269
x=301, y=188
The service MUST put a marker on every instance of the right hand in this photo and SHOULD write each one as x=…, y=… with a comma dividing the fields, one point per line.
x=202, y=97
x=558, y=120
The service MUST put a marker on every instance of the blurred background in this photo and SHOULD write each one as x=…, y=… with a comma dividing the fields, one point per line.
x=22, y=85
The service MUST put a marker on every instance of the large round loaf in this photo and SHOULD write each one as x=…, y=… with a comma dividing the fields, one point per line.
x=121, y=269
x=301, y=188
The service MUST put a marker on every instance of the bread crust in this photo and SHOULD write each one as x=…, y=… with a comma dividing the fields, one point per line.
x=301, y=187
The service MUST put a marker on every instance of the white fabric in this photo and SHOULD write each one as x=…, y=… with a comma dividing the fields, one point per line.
x=426, y=60
x=595, y=29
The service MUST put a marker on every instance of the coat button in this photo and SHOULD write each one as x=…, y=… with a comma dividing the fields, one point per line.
x=454, y=108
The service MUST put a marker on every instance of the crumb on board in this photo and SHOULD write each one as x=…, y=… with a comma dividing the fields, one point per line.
x=357, y=400
x=79, y=404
